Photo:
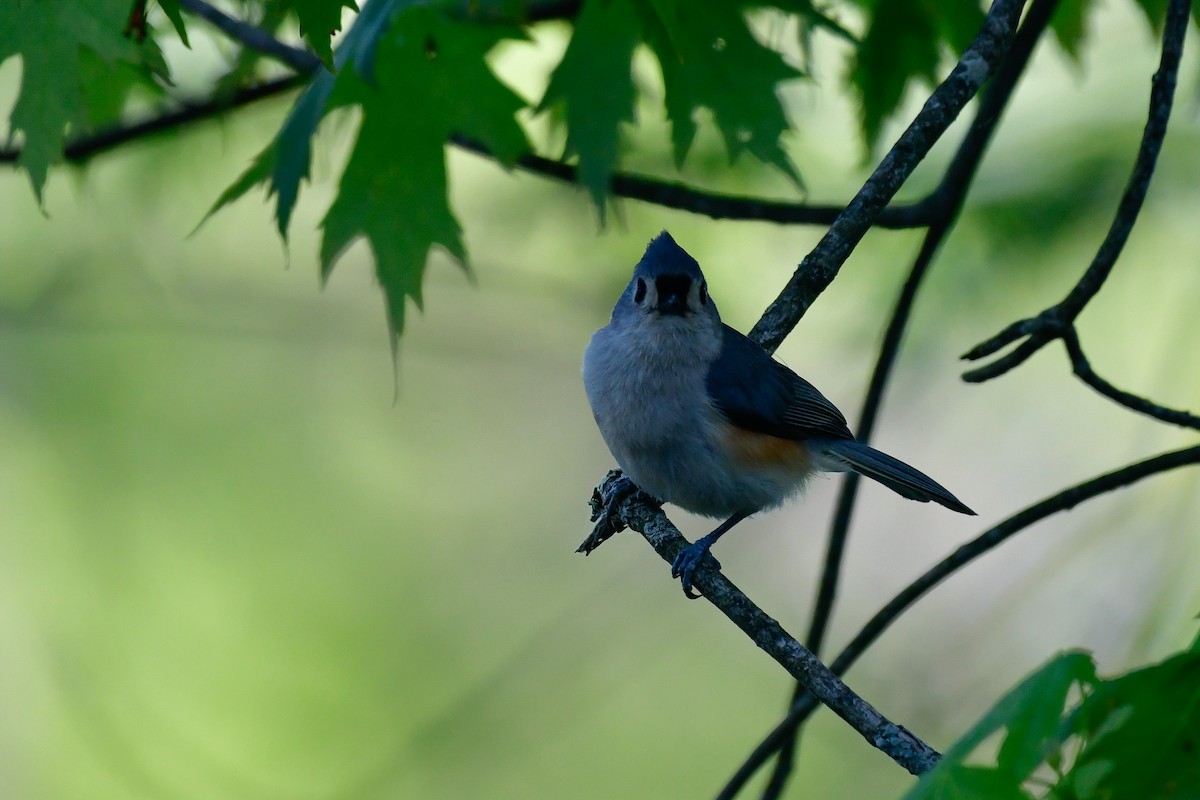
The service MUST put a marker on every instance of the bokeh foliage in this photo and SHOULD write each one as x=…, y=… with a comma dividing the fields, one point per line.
x=1070, y=735
x=420, y=72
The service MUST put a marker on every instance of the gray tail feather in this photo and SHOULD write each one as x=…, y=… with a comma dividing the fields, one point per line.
x=894, y=474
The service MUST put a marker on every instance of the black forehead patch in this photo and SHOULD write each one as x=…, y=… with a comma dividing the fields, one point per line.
x=673, y=285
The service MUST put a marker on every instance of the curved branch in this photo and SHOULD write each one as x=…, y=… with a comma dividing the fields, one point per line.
x=985, y=542
x=649, y=520
x=629, y=185
x=1083, y=369
x=698, y=201
x=820, y=267
x=1054, y=322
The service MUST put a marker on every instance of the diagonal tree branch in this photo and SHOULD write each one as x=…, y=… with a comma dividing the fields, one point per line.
x=950, y=196
x=975, y=66
x=649, y=520
x=821, y=266
x=984, y=543
x=1055, y=321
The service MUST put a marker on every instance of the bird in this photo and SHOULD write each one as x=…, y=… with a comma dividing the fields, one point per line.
x=700, y=416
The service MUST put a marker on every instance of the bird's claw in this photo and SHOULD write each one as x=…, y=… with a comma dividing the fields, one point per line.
x=688, y=561
x=606, y=510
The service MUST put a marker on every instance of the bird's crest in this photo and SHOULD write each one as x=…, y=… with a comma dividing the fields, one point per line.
x=664, y=257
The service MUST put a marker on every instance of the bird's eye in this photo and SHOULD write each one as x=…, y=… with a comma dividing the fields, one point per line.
x=639, y=293
x=703, y=293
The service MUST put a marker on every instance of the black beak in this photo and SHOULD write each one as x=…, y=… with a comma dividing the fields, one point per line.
x=673, y=291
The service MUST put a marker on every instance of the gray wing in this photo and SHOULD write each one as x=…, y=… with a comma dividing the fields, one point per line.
x=755, y=392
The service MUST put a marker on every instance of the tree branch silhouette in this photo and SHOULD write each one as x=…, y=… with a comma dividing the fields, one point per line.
x=984, y=543
x=614, y=500
x=821, y=265
x=1055, y=321
x=819, y=268
x=951, y=195
x=715, y=205
x=1083, y=368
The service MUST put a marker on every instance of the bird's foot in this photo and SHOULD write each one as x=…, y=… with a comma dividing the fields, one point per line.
x=606, y=509
x=688, y=561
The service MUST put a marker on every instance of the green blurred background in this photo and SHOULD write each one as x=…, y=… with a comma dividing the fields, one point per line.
x=232, y=565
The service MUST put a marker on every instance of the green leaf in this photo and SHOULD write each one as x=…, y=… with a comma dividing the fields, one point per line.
x=319, y=20
x=712, y=60
x=594, y=85
x=419, y=78
x=1031, y=712
x=393, y=191
x=50, y=37
x=1143, y=732
x=245, y=67
x=1069, y=24
x=284, y=163
x=1048, y=687
x=171, y=9
x=958, y=22
x=816, y=18
x=901, y=46
x=1139, y=736
x=1156, y=13
x=963, y=782
x=107, y=86
x=398, y=204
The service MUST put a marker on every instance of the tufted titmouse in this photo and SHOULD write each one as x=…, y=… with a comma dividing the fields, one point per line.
x=700, y=416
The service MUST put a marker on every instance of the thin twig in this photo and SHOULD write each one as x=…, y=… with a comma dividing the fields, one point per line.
x=543, y=11
x=821, y=266
x=985, y=542
x=949, y=196
x=1083, y=369
x=902, y=746
x=711, y=204
x=664, y=193
x=302, y=61
x=305, y=61
x=1055, y=321
x=86, y=148
x=632, y=186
